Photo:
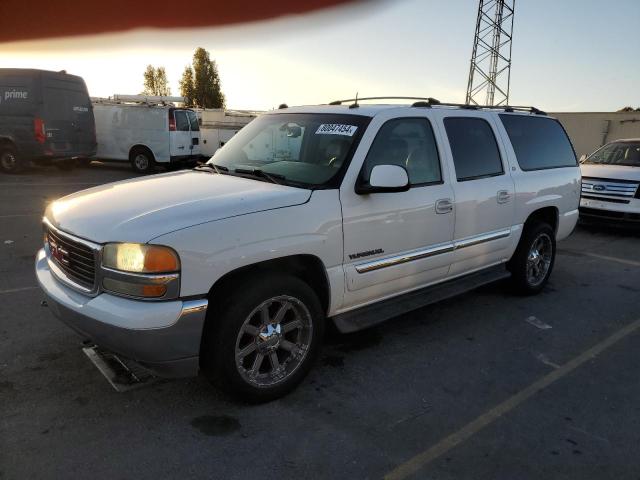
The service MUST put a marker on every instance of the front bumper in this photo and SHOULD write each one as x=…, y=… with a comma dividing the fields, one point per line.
x=162, y=336
x=595, y=210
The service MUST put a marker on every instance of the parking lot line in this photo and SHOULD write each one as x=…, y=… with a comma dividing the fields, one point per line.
x=422, y=459
x=613, y=259
x=15, y=290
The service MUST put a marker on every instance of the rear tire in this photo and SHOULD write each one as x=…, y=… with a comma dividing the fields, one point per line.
x=10, y=162
x=262, y=341
x=533, y=260
x=142, y=161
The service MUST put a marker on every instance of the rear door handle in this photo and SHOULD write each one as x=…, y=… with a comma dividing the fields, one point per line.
x=444, y=205
x=503, y=196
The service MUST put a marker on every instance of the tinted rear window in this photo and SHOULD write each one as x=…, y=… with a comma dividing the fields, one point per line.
x=474, y=148
x=539, y=142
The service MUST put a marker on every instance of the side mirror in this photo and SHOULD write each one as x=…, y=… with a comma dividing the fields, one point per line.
x=583, y=157
x=385, y=178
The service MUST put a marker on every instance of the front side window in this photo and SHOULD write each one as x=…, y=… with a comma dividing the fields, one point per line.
x=307, y=150
x=617, y=153
x=409, y=143
x=182, y=122
x=538, y=142
x=474, y=148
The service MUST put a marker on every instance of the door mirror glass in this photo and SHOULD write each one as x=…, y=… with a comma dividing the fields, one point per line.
x=386, y=178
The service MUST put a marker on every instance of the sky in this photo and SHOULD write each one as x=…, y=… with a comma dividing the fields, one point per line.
x=568, y=55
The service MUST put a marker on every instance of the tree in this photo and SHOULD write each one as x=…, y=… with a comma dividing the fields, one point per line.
x=155, y=81
x=186, y=86
x=201, y=82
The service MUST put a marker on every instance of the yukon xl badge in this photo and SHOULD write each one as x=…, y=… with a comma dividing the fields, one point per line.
x=367, y=253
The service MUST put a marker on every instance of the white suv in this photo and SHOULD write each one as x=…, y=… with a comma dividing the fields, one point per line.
x=345, y=213
x=611, y=183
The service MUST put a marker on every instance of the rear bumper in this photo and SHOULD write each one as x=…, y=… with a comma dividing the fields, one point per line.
x=162, y=336
x=184, y=158
x=45, y=152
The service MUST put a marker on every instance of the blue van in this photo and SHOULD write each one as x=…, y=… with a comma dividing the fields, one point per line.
x=45, y=117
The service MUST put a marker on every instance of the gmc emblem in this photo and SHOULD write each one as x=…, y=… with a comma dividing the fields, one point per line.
x=59, y=253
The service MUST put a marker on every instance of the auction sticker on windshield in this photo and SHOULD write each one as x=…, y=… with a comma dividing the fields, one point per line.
x=336, y=129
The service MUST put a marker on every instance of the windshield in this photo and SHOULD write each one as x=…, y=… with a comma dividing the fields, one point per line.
x=617, y=153
x=306, y=150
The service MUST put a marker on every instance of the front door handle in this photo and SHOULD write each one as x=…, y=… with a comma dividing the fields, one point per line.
x=444, y=205
x=503, y=196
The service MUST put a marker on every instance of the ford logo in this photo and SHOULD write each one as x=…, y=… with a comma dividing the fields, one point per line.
x=599, y=188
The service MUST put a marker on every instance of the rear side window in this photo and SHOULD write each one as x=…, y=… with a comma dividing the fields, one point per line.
x=182, y=122
x=539, y=143
x=474, y=148
x=409, y=143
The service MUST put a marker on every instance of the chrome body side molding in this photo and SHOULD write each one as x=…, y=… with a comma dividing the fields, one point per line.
x=432, y=251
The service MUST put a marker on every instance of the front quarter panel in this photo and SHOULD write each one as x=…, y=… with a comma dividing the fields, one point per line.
x=211, y=250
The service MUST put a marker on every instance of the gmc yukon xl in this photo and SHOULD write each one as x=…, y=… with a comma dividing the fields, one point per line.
x=352, y=214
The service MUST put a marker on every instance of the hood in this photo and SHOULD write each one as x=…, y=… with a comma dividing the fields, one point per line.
x=616, y=172
x=139, y=210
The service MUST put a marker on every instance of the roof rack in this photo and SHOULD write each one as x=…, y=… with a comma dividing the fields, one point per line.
x=340, y=102
x=428, y=102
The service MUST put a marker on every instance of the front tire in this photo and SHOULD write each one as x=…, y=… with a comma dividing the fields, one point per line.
x=263, y=340
x=533, y=260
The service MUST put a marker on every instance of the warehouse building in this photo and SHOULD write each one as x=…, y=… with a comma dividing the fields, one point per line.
x=590, y=130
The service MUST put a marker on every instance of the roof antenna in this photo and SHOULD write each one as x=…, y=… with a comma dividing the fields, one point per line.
x=355, y=103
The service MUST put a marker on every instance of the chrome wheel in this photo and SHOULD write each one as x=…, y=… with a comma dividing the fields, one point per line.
x=8, y=161
x=539, y=259
x=141, y=161
x=273, y=341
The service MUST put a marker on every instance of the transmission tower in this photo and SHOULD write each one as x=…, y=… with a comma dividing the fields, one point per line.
x=490, y=70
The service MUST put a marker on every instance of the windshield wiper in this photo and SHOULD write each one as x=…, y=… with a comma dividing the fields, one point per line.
x=212, y=166
x=272, y=177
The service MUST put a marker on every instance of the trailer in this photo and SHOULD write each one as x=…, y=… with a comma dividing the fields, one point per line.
x=218, y=125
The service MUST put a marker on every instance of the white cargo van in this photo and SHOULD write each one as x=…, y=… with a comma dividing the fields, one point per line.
x=146, y=131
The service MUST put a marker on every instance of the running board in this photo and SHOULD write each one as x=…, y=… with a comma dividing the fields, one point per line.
x=123, y=374
x=376, y=313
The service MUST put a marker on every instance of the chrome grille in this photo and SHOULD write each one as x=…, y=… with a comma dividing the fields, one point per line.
x=617, y=191
x=75, y=259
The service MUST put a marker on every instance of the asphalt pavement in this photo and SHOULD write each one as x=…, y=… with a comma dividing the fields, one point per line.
x=484, y=386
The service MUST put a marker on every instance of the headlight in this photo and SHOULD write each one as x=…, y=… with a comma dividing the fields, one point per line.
x=140, y=270
x=140, y=258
